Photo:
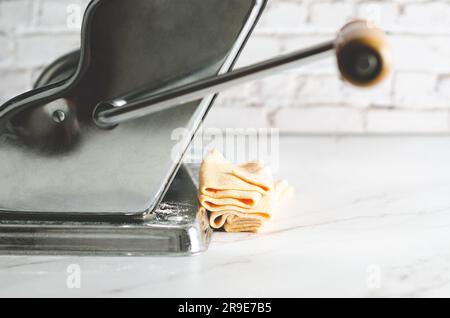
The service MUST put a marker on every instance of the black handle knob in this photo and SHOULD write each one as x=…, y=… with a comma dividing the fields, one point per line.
x=363, y=54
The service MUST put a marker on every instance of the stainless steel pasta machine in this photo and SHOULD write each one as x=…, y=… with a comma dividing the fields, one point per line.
x=87, y=157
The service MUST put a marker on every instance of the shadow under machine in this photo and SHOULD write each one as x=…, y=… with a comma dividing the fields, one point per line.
x=89, y=165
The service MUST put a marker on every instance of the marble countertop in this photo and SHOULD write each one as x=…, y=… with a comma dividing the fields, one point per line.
x=370, y=218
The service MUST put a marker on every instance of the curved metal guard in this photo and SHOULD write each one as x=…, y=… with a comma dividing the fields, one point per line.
x=57, y=161
x=362, y=52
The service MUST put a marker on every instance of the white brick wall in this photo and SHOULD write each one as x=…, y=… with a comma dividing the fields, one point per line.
x=32, y=34
x=416, y=99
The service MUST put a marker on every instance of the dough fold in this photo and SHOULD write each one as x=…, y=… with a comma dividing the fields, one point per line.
x=238, y=198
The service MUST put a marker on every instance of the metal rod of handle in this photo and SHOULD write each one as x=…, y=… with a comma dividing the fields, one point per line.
x=110, y=114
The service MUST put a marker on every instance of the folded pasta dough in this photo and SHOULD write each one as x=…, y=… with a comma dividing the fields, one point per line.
x=214, y=205
x=232, y=219
x=219, y=219
x=237, y=224
x=238, y=198
x=235, y=198
x=219, y=179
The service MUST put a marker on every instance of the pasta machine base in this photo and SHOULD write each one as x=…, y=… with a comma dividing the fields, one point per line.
x=175, y=228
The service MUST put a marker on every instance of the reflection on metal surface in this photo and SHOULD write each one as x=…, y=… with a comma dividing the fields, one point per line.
x=57, y=161
x=174, y=229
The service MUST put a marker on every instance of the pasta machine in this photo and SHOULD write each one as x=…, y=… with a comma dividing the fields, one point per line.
x=88, y=162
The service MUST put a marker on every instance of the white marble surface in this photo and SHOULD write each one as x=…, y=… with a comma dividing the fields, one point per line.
x=371, y=217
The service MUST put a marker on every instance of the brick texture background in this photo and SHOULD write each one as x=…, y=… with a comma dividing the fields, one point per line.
x=311, y=100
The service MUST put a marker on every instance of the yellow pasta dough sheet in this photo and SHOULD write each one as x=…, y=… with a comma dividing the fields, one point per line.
x=239, y=198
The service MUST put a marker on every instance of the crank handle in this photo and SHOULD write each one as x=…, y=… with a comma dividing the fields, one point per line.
x=363, y=57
